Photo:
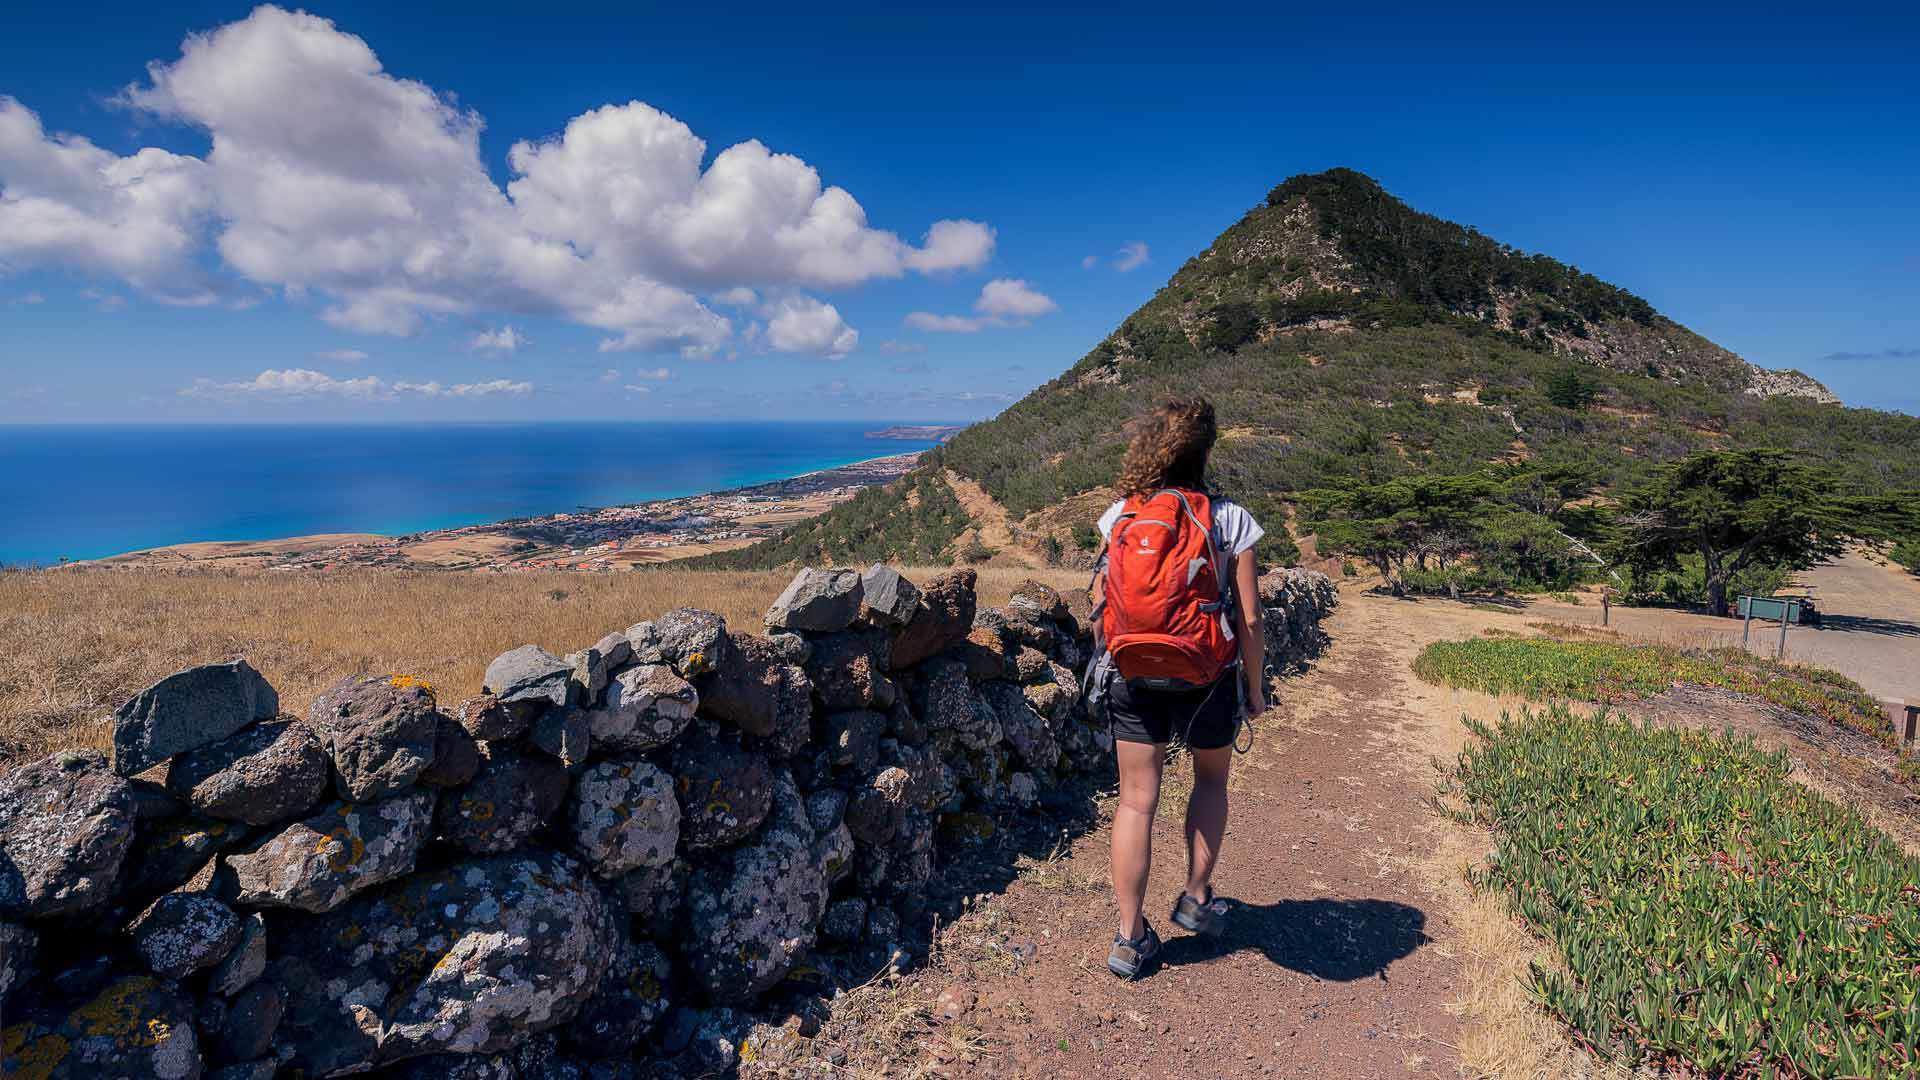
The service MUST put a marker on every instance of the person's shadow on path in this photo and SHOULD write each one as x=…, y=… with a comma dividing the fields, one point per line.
x=1338, y=940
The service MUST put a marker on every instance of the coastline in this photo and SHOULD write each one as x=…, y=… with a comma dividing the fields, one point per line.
x=618, y=537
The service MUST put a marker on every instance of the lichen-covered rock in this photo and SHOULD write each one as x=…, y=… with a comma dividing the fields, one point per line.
x=590, y=671
x=984, y=653
x=563, y=734
x=725, y=790
x=1030, y=665
x=1050, y=701
x=318, y=863
x=1037, y=601
x=817, y=600
x=135, y=1028
x=530, y=674
x=261, y=775
x=512, y=796
x=167, y=854
x=623, y=816
x=887, y=598
x=942, y=696
x=488, y=718
x=833, y=853
x=379, y=730
x=468, y=959
x=853, y=739
x=879, y=806
x=647, y=705
x=939, y=621
x=627, y=1005
x=694, y=642
x=751, y=912
x=247, y=960
x=845, y=921
x=1026, y=731
x=826, y=808
x=185, y=932
x=188, y=710
x=66, y=822
x=652, y=896
x=1023, y=790
x=929, y=781
x=792, y=648
x=883, y=925
x=615, y=651
x=19, y=946
x=751, y=693
x=847, y=669
x=252, y=1018
x=456, y=756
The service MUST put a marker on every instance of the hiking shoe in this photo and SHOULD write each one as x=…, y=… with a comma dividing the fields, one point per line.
x=1129, y=959
x=1208, y=918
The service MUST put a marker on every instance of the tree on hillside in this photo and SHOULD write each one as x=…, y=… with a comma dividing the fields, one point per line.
x=1740, y=508
x=1570, y=389
x=1406, y=520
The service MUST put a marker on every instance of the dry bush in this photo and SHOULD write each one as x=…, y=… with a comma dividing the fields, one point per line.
x=80, y=641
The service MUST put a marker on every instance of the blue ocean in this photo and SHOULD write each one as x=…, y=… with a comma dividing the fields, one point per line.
x=86, y=491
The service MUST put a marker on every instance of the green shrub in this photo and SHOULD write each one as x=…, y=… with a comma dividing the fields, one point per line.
x=1687, y=586
x=1714, y=917
x=1907, y=554
x=1544, y=669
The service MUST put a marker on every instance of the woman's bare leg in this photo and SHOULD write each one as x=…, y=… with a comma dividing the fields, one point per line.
x=1133, y=829
x=1206, y=816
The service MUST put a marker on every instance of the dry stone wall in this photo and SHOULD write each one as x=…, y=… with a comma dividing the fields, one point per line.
x=599, y=868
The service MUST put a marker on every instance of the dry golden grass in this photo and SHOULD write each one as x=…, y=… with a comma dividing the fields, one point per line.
x=78, y=642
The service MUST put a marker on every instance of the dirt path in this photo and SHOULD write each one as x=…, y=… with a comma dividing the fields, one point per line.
x=990, y=522
x=1336, y=961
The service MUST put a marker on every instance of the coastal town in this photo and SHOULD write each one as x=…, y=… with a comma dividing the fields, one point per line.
x=589, y=539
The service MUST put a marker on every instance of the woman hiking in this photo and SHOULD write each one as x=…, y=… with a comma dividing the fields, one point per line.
x=1184, y=659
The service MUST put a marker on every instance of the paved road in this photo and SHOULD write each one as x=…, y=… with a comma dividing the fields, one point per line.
x=1871, y=629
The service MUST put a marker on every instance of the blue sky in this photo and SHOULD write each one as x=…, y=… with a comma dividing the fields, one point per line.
x=326, y=218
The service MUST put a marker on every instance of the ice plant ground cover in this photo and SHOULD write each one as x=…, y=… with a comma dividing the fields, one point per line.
x=1543, y=669
x=1712, y=916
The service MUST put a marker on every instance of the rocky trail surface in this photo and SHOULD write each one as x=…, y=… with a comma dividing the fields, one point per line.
x=1335, y=962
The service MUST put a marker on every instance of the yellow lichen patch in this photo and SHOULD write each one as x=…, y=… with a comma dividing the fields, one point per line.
x=411, y=682
x=342, y=849
x=115, y=1013
x=696, y=663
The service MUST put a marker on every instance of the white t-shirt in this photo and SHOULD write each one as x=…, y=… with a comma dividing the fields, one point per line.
x=1238, y=531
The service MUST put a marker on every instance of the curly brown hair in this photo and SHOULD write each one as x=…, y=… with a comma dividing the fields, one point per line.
x=1168, y=447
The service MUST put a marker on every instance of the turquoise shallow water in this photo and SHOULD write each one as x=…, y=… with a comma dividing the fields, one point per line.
x=85, y=491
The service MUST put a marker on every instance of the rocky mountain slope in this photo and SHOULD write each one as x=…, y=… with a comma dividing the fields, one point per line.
x=1343, y=334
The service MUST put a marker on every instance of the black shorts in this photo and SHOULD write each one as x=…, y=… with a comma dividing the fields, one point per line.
x=1204, y=719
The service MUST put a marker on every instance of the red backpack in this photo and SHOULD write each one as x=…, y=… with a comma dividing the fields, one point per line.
x=1168, y=597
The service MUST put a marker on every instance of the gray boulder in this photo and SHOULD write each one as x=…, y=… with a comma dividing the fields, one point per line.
x=651, y=895
x=247, y=961
x=748, y=692
x=66, y=822
x=134, y=1028
x=615, y=650
x=817, y=600
x=590, y=672
x=563, y=734
x=627, y=1005
x=319, y=863
x=753, y=911
x=946, y=702
x=887, y=598
x=647, y=705
x=188, y=710
x=623, y=816
x=469, y=960
x=379, y=730
x=878, y=807
x=833, y=853
x=826, y=808
x=693, y=641
x=530, y=674
x=845, y=921
x=1036, y=601
x=725, y=790
x=512, y=796
x=261, y=775
x=185, y=932
x=1026, y=731
x=940, y=620
x=253, y=1016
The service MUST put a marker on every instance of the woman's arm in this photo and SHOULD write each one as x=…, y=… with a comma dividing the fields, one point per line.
x=1252, y=633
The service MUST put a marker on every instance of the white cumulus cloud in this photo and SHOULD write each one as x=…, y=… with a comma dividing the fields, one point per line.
x=1002, y=302
x=505, y=339
x=341, y=356
x=803, y=324
x=291, y=384
x=330, y=177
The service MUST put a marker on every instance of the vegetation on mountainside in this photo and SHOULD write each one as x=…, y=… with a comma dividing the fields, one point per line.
x=1781, y=939
x=1907, y=554
x=914, y=519
x=1346, y=338
x=1732, y=509
x=1544, y=669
